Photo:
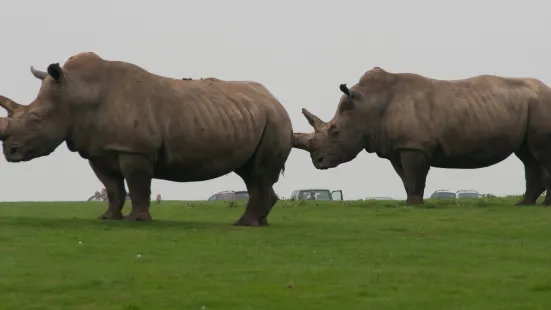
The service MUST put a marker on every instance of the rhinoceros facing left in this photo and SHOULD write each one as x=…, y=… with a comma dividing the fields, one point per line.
x=134, y=125
x=417, y=122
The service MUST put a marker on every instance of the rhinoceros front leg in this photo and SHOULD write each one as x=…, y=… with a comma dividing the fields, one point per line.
x=138, y=172
x=107, y=171
x=415, y=170
x=397, y=165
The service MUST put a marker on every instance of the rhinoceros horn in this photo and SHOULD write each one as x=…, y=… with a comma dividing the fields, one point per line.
x=312, y=119
x=302, y=141
x=38, y=74
x=9, y=105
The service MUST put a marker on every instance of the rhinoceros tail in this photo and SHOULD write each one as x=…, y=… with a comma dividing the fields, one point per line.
x=283, y=171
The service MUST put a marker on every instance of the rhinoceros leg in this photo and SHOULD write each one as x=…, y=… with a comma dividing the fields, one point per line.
x=108, y=173
x=547, y=181
x=138, y=172
x=397, y=165
x=258, y=206
x=533, y=172
x=260, y=173
x=415, y=170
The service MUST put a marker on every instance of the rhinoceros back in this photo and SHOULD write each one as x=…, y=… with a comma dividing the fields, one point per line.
x=192, y=129
x=218, y=129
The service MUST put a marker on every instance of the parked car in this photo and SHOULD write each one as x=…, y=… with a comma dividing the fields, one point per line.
x=379, y=198
x=316, y=194
x=468, y=193
x=443, y=194
x=460, y=194
x=230, y=195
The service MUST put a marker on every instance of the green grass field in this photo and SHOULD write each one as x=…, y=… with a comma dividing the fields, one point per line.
x=485, y=254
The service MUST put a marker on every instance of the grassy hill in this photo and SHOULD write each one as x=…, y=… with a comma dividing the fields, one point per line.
x=480, y=254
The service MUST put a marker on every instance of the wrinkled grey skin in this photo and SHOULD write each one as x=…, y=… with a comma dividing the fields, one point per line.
x=134, y=126
x=417, y=123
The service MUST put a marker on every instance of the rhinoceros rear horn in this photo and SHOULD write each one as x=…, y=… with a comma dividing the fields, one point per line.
x=344, y=89
x=38, y=74
x=9, y=105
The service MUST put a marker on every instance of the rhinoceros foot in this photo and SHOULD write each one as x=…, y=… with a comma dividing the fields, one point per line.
x=525, y=203
x=251, y=220
x=110, y=215
x=138, y=216
x=414, y=200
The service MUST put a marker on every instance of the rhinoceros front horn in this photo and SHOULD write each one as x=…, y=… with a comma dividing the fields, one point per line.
x=9, y=105
x=302, y=141
x=38, y=74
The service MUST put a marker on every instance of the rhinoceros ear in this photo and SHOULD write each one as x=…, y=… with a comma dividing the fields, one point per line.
x=345, y=89
x=55, y=71
x=346, y=104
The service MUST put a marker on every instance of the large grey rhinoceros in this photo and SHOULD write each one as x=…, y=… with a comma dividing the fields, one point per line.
x=134, y=125
x=416, y=123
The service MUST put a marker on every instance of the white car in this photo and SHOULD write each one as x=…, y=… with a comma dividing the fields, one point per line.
x=448, y=194
x=316, y=194
x=379, y=198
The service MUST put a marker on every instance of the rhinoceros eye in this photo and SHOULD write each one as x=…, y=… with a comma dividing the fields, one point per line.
x=35, y=118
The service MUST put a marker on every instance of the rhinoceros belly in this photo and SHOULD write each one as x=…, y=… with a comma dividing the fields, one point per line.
x=473, y=149
x=209, y=142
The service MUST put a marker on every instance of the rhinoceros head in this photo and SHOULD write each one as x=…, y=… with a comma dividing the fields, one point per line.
x=39, y=128
x=337, y=141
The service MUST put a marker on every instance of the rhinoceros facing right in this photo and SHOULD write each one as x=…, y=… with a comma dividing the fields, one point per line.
x=134, y=125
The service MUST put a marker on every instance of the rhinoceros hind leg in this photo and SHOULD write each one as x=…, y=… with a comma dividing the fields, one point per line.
x=138, y=172
x=138, y=216
x=260, y=173
x=106, y=169
x=415, y=170
x=110, y=215
x=534, y=175
x=259, y=204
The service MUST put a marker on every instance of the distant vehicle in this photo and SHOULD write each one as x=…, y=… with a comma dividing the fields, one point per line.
x=379, y=198
x=230, y=195
x=317, y=194
x=460, y=194
x=468, y=193
x=443, y=194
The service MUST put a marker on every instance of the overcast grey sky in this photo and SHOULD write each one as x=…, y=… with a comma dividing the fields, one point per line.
x=300, y=50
